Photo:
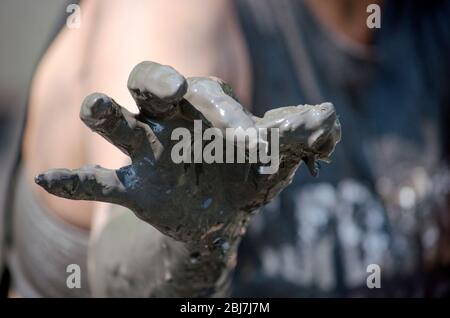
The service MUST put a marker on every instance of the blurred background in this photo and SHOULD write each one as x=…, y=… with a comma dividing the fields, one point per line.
x=383, y=200
x=26, y=28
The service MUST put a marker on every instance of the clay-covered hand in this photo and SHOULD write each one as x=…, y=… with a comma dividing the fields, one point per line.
x=199, y=202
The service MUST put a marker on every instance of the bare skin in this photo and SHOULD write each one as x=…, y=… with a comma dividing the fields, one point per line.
x=80, y=62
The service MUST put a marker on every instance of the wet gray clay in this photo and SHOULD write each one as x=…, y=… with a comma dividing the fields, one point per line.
x=201, y=209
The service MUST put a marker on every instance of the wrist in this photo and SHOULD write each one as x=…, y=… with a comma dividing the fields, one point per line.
x=207, y=266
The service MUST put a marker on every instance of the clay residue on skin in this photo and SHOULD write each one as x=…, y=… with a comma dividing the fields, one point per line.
x=304, y=124
x=219, y=109
x=307, y=133
x=158, y=80
x=314, y=127
x=213, y=229
x=183, y=201
x=89, y=182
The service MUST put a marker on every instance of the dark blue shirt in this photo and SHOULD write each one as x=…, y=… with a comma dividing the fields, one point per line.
x=382, y=199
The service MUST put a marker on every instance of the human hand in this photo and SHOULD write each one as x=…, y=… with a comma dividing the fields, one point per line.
x=199, y=202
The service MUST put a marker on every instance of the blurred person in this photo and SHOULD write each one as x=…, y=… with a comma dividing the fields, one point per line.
x=383, y=200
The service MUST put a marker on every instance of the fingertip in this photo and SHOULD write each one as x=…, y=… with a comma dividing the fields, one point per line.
x=40, y=179
x=95, y=106
x=149, y=79
x=156, y=88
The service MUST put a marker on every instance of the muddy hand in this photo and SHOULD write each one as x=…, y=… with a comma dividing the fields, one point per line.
x=190, y=202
